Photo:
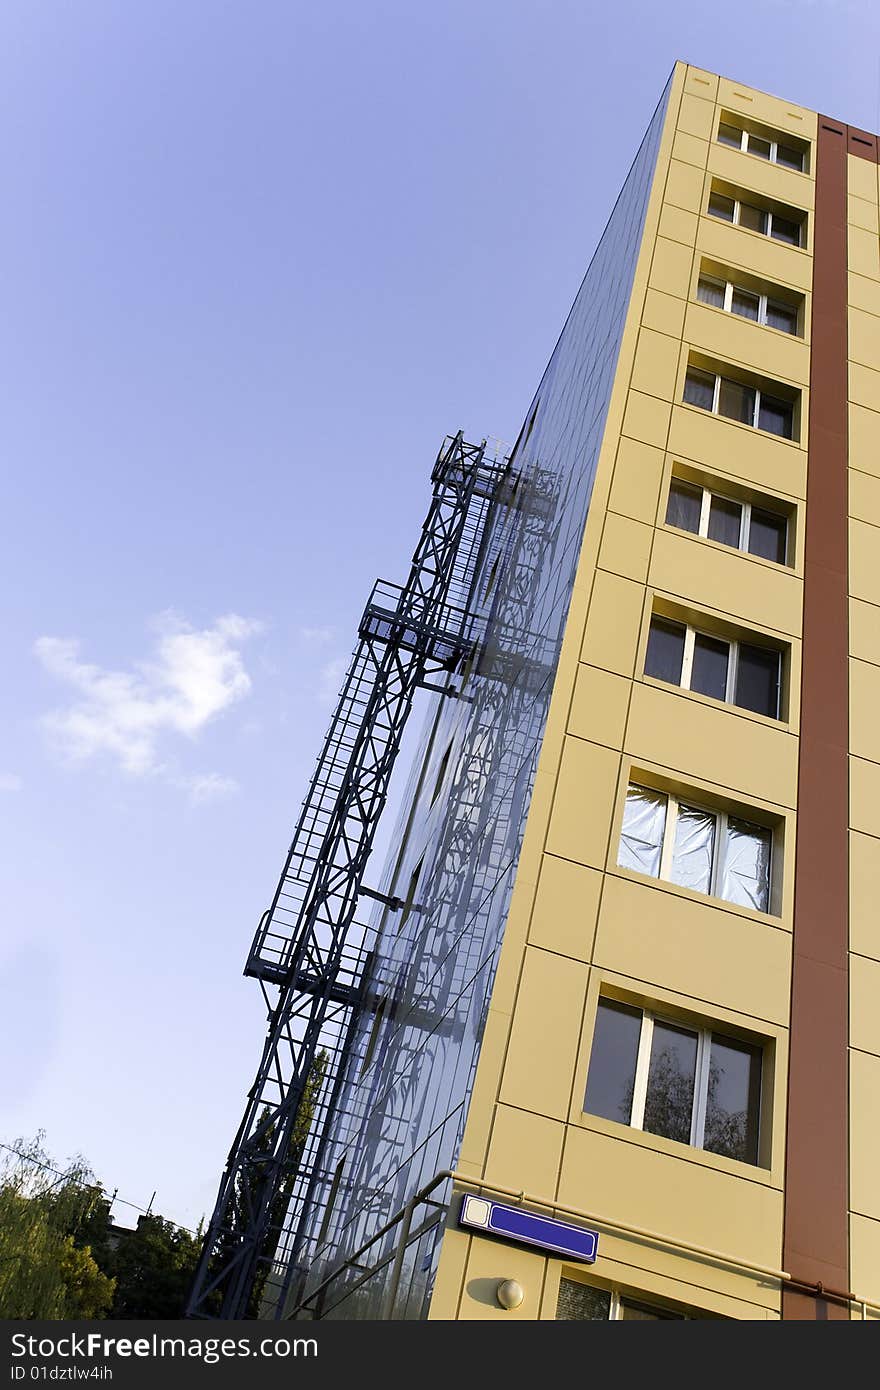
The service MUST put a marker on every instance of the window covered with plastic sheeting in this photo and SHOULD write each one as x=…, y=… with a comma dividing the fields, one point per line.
x=694, y=851
x=746, y=873
x=641, y=836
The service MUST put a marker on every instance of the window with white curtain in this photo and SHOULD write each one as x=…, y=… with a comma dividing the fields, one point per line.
x=787, y=226
x=741, y=524
x=747, y=304
x=711, y=852
x=739, y=673
x=735, y=400
x=683, y=1081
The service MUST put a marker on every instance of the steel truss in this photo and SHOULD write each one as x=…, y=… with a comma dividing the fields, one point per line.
x=309, y=947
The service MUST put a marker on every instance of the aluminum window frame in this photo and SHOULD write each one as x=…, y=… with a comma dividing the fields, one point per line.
x=719, y=846
x=691, y=633
x=756, y=412
x=766, y=214
x=768, y=140
x=729, y=287
x=745, y=519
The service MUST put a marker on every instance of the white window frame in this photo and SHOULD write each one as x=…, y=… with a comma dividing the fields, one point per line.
x=745, y=519
x=719, y=846
x=767, y=229
x=774, y=146
x=733, y=647
x=701, y=1075
x=729, y=287
x=617, y=1299
x=756, y=413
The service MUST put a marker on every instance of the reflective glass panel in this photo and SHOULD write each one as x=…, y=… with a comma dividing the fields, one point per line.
x=694, y=848
x=757, y=680
x=759, y=146
x=745, y=875
x=641, y=835
x=755, y=219
x=613, y=1061
x=767, y=535
x=630, y=1311
x=665, y=650
x=745, y=304
x=785, y=230
x=736, y=401
x=775, y=416
x=709, y=671
x=711, y=292
x=669, y=1102
x=699, y=388
x=733, y=1101
x=719, y=206
x=684, y=505
x=725, y=518
x=790, y=157
x=729, y=135
x=782, y=316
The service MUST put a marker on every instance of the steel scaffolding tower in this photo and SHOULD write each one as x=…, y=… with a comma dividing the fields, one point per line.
x=309, y=947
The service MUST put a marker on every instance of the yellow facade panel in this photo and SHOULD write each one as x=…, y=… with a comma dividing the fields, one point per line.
x=781, y=356
x=861, y=213
x=566, y=908
x=656, y=364
x=736, y=246
x=699, y=83
x=689, y=149
x=684, y=186
x=864, y=708
x=712, y=744
x=678, y=225
x=864, y=497
x=696, y=117
x=864, y=572
x=864, y=894
x=611, y=635
x=864, y=294
x=714, y=576
x=864, y=386
x=864, y=439
x=678, y=1196
x=525, y=1151
x=583, y=807
x=864, y=796
x=489, y=1263
x=861, y=179
x=864, y=994
x=646, y=418
x=671, y=267
x=664, y=313
x=626, y=547
x=863, y=253
x=672, y=940
x=638, y=474
x=864, y=340
x=864, y=631
x=599, y=706
x=724, y=447
x=544, y=1034
x=768, y=110
x=865, y=1263
x=864, y=1125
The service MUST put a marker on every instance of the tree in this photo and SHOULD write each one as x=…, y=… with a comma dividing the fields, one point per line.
x=43, y=1272
x=153, y=1268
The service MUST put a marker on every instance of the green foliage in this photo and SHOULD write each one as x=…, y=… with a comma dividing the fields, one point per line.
x=153, y=1267
x=44, y=1273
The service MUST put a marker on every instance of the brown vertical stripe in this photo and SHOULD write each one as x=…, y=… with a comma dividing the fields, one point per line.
x=816, y=1189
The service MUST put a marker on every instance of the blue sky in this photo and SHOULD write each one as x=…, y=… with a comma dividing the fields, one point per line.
x=259, y=258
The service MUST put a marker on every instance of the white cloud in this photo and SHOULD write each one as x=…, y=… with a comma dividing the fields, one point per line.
x=191, y=677
x=10, y=782
x=317, y=636
x=205, y=787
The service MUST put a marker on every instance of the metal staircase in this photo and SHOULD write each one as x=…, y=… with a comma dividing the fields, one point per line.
x=310, y=949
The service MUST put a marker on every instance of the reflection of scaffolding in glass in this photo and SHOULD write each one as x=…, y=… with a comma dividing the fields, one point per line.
x=309, y=944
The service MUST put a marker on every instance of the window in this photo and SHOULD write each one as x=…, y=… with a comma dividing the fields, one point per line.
x=756, y=219
x=687, y=1083
x=770, y=313
x=748, y=405
x=585, y=1303
x=743, y=525
x=441, y=774
x=708, y=851
x=736, y=672
x=789, y=155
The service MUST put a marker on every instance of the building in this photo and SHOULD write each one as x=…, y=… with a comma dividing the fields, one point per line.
x=623, y=971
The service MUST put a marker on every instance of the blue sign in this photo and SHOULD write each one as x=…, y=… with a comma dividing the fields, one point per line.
x=513, y=1223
